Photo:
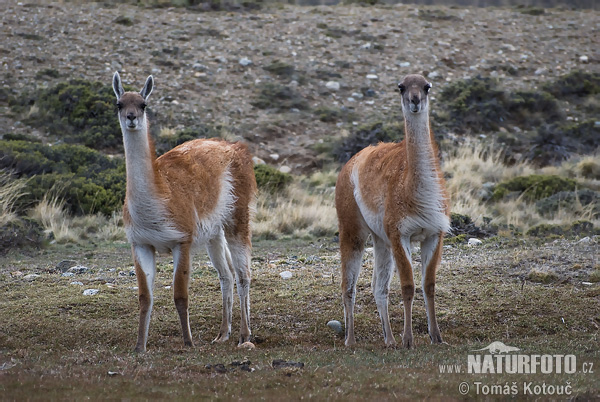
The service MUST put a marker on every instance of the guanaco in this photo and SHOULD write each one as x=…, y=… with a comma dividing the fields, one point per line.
x=200, y=193
x=396, y=193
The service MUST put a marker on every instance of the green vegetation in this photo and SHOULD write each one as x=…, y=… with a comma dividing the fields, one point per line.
x=575, y=84
x=88, y=180
x=270, y=179
x=279, y=97
x=533, y=187
x=78, y=111
x=365, y=135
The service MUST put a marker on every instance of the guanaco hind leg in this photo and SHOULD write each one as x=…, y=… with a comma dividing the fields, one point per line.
x=402, y=257
x=217, y=251
x=383, y=272
x=238, y=257
x=431, y=255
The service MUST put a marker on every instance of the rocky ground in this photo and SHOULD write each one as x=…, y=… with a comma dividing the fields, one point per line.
x=209, y=66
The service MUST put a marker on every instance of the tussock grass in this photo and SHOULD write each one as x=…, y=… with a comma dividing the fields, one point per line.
x=10, y=191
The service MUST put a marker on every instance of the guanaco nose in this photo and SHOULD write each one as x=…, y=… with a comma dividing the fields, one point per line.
x=131, y=116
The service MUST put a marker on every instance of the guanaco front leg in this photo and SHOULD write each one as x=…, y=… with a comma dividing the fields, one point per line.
x=383, y=272
x=402, y=257
x=181, y=279
x=431, y=256
x=238, y=258
x=145, y=270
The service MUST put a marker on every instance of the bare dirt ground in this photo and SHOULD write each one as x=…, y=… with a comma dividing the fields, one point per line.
x=198, y=63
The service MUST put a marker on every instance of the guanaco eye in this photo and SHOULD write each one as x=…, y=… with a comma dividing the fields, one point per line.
x=402, y=88
x=144, y=106
x=427, y=87
x=119, y=105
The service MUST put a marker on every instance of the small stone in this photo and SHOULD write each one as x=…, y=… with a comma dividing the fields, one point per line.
x=78, y=269
x=275, y=157
x=16, y=273
x=474, y=242
x=285, y=169
x=584, y=59
x=508, y=46
x=247, y=345
x=113, y=373
x=372, y=77
x=333, y=85
x=587, y=283
x=336, y=326
x=64, y=265
x=257, y=160
x=31, y=277
x=67, y=274
x=244, y=61
x=585, y=240
x=404, y=64
x=76, y=283
x=91, y=292
x=541, y=71
x=286, y=275
x=433, y=75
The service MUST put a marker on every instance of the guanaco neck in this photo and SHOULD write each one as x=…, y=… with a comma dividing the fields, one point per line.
x=140, y=157
x=420, y=150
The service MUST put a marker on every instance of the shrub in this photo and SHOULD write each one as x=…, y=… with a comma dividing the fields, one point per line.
x=270, y=179
x=576, y=83
x=88, y=180
x=165, y=143
x=19, y=233
x=567, y=200
x=369, y=134
x=275, y=96
x=78, y=111
x=533, y=187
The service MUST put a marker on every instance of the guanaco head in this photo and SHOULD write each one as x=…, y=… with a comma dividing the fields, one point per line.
x=414, y=89
x=132, y=105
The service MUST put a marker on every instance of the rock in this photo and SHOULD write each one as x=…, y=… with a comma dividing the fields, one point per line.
x=67, y=274
x=247, y=345
x=76, y=283
x=245, y=62
x=64, y=265
x=78, y=269
x=91, y=292
x=508, y=46
x=584, y=59
x=285, y=169
x=541, y=71
x=585, y=240
x=433, y=75
x=286, y=275
x=278, y=363
x=31, y=277
x=372, y=77
x=474, y=242
x=336, y=326
x=275, y=157
x=258, y=161
x=333, y=85
x=404, y=64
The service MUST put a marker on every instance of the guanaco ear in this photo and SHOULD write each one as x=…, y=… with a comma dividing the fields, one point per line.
x=147, y=90
x=117, y=86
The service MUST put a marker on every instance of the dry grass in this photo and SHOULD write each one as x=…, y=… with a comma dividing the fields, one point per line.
x=10, y=191
x=473, y=166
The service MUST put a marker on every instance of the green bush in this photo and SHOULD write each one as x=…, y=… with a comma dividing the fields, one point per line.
x=88, y=181
x=21, y=232
x=566, y=200
x=275, y=96
x=165, y=143
x=78, y=111
x=576, y=83
x=533, y=187
x=270, y=179
x=369, y=134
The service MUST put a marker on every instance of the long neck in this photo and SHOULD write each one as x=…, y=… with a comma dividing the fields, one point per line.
x=420, y=148
x=139, y=161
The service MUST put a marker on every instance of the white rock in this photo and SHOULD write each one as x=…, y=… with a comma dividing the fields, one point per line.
x=76, y=283
x=68, y=274
x=584, y=59
x=274, y=156
x=257, y=160
x=91, y=292
x=244, y=61
x=541, y=71
x=285, y=169
x=587, y=283
x=333, y=85
x=372, y=77
x=31, y=277
x=286, y=275
x=336, y=326
x=585, y=240
x=404, y=64
x=474, y=242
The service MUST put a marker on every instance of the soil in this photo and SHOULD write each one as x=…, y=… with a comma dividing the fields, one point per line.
x=208, y=66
